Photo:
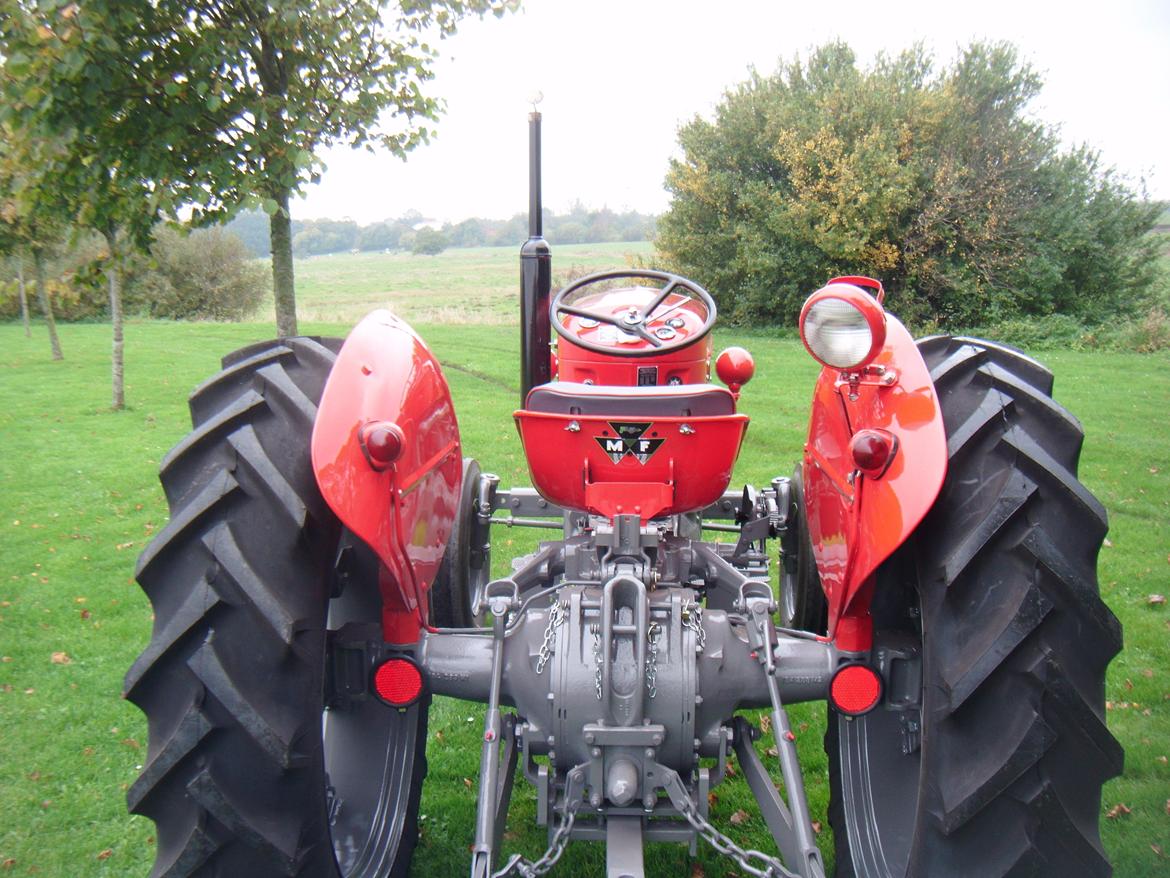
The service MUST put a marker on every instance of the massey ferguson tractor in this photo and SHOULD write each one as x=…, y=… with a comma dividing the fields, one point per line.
x=928, y=571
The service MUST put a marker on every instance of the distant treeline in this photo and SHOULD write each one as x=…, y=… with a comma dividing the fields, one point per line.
x=414, y=232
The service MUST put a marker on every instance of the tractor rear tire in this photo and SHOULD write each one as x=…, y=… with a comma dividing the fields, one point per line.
x=246, y=772
x=802, y=600
x=999, y=770
x=464, y=572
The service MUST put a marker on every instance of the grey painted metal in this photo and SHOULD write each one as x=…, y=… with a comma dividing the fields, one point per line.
x=623, y=848
x=499, y=600
x=796, y=838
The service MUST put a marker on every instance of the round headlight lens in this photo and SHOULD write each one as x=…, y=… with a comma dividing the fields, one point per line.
x=837, y=333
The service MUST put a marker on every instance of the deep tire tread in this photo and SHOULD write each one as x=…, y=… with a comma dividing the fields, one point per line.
x=239, y=581
x=1016, y=639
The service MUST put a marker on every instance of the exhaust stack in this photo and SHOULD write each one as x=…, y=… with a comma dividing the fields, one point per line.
x=535, y=278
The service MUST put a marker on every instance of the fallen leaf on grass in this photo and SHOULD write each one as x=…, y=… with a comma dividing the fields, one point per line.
x=739, y=817
x=1118, y=810
x=1147, y=673
x=105, y=855
x=816, y=826
x=712, y=800
x=1162, y=759
x=765, y=723
x=697, y=871
x=9, y=863
x=1128, y=684
x=772, y=751
x=85, y=614
x=1108, y=544
x=1156, y=599
x=61, y=658
x=6, y=659
x=1157, y=849
x=467, y=782
x=731, y=772
x=1168, y=806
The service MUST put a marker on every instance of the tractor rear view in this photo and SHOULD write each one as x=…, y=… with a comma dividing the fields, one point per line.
x=327, y=570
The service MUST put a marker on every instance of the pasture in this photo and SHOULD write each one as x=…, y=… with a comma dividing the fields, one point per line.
x=79, y=499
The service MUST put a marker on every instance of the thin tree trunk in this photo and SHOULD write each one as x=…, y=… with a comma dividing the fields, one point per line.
x=46, y=305
x=23, y=295
x=283, y=291
x=119, y=395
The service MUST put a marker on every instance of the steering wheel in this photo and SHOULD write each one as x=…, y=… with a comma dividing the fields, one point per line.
x=634, y=321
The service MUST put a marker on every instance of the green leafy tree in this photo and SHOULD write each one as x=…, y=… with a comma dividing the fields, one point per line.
x=429, y=242
x=27, y=223
x=70, y=96
x=936, y=181
x=257, y=88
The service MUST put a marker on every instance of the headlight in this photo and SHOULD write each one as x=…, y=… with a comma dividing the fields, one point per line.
x=842, y=327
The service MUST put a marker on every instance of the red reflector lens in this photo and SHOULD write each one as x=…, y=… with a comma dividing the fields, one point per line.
x=856, y=689
x=398, y=682
x=871, y=450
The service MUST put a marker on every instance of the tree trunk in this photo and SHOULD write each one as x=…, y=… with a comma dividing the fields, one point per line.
x=283, y=292
x=119, y=394
x=46, y=305
x=23, y=295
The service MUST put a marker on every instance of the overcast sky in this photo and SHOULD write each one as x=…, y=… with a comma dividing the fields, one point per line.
x=620, y=76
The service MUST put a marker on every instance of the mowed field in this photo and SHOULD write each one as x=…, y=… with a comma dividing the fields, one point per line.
x=467, y=285
x=79, y=499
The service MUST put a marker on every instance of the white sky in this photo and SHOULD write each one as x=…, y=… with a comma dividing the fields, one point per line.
x=619, y=78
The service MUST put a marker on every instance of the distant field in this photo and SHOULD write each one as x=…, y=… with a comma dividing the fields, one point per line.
x=464, y=285
x=79, y=499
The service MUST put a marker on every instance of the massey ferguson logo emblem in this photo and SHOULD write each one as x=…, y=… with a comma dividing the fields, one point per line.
x=628, y=441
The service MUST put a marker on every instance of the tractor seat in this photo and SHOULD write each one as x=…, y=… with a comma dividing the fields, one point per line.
x=667, y=401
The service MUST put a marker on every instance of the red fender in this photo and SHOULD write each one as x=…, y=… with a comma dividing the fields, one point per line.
x=403, y=509
x=856, y=521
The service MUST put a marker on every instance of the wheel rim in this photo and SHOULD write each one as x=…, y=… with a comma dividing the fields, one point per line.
x=369, y=753
x=879, y=792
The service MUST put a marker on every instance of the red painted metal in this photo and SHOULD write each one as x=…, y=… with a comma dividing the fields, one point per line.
x=686, y=365
x=857, y=520
x=858, y=280
x=735, y=368
x=385, y=374
x=663, y=465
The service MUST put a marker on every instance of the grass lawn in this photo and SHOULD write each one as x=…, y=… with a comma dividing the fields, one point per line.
x=79, y=499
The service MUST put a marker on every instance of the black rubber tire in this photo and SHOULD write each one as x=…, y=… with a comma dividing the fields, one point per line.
x=232, y=682
x=802, y=600
x=999, y=587
x=459, y=581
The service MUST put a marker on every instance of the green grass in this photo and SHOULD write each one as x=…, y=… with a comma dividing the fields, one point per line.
x=464, y=285
x=79, y=499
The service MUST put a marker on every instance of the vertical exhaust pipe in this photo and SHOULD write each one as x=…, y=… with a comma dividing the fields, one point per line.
x=535, y=278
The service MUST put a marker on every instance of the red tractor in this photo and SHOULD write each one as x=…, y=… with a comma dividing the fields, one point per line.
x=326, y=571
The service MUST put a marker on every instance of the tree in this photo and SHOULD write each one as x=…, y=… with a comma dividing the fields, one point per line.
x=937, y=182
x=429, y=242
x=26, y=224
x=70, y=99
x=256, y=88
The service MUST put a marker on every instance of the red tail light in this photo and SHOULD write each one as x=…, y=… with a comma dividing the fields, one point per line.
x=856, y=689
x=398, y=682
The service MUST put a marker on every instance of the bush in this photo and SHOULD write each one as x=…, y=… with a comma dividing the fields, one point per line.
x=936, y=181
x=207, y=274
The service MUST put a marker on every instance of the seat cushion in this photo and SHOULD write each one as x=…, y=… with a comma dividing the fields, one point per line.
x=670, y=401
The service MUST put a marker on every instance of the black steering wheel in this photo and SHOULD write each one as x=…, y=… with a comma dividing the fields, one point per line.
x=635, y=321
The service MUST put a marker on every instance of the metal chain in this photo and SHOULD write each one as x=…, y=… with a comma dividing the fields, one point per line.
x=692, y=617
x=653, y=634
x=769, y=867
x=556, y=615
x=517, y=865
x=596, y=629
